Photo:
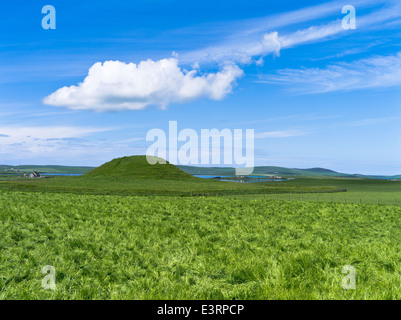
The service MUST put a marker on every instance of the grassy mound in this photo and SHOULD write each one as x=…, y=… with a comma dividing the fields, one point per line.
x=138, y=167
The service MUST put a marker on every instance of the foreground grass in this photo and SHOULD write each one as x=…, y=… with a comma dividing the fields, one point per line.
x=113, y=247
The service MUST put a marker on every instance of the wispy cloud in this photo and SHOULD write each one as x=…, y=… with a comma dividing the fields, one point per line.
x=379, y=71
x=260, y=37
x=61, y=145
x=368, y=122
x=20, y=134
x=280, y=134
x=31, y=141
x=116, y=86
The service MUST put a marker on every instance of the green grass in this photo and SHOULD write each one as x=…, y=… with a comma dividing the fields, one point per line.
x=143, y=186
x=108, y=242
x=115, y=247
x=359, y=191
x=382, y=198
x=365, y=191
x=351, y=184
x=134, y=176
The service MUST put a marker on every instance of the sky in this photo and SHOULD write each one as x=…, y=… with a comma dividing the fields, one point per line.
x=315, y=93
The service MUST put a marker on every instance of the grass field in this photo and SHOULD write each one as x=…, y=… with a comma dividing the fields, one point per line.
x=365, y=191
x=134, y=176
x=115, y=247
x=100, y=185
x=111, y=235
x=359, y=191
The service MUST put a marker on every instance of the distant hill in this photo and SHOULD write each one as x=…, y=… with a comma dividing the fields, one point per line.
x=279, y=171
x=138, y=167
x=7, y=169
x=319, y=170
x=262, y=170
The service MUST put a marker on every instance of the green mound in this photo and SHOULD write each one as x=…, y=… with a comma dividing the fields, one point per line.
x=139, y=168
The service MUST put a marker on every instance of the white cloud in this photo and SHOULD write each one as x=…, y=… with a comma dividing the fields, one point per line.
x=65, y=145
x=272, y=42
x=380, y=71
x=22, y=134
x=114, y=86
x=313, y=33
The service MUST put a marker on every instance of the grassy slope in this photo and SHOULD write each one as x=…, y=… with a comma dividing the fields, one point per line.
x=137, y=167
x=112, y=247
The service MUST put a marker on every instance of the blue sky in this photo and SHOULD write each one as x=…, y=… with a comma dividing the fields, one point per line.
x=316, y=95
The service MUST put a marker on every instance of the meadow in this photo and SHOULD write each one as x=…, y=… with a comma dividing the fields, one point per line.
x=137, y=247
x=358, y=191
x=128, y=230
